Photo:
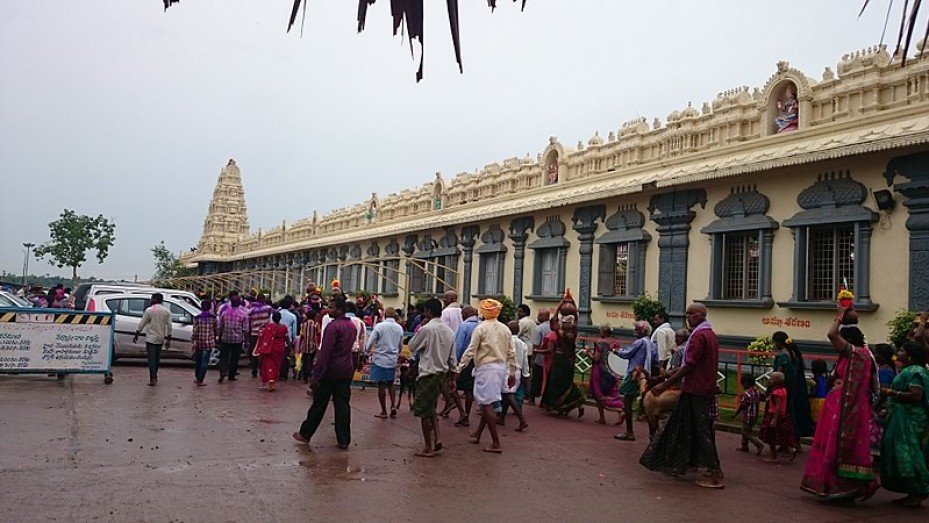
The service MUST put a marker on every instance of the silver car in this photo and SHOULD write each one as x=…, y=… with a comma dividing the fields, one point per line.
x=8, y=299
x=129, y=309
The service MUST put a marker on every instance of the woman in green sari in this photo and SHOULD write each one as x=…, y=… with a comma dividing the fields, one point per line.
x=903, y=449
x=789, y=361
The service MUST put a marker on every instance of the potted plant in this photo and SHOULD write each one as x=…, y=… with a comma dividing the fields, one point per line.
x=508, y=312
x=901, y=325
x=645, y=307
x=761, y=344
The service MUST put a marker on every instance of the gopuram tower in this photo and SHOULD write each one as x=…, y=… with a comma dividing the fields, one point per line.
x=227, y=219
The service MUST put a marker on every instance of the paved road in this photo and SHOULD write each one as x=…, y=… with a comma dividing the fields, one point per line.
x=77, y=450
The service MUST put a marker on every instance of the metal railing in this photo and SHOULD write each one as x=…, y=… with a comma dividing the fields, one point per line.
x=733, y=363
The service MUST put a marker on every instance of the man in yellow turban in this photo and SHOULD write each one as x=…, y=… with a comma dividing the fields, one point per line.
x=494, y=356
x=490, y=309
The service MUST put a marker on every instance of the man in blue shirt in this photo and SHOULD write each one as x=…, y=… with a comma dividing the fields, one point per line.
x=465, y=381
x=384, y=349
x=641, y=356
x=289, y=320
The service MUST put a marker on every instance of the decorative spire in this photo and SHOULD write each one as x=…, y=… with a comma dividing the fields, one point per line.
x=227, y=218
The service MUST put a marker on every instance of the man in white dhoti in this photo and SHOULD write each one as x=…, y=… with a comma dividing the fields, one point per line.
x=494, y=357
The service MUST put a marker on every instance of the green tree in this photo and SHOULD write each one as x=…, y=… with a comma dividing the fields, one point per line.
x=73, y=235
x=167, y=265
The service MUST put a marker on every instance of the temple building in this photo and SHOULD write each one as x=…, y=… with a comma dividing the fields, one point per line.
x=226, y=222
x=760, y=203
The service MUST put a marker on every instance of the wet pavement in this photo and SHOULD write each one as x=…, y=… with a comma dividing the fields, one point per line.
x=78, y=450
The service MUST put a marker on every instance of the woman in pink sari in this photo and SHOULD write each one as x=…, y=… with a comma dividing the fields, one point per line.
x=840, y=464
x=270, y=349
x=604, y=386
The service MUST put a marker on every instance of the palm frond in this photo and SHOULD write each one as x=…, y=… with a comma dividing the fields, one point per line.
x=863, y=8
x=406, y=14
x=910, y=26
x=908, y=18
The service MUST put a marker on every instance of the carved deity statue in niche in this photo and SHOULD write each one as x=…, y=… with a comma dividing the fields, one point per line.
x=787, y=111
x=372, y=211
x=437, y=192
x=551, y=172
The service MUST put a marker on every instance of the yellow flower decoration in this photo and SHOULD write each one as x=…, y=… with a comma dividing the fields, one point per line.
x=845, y=294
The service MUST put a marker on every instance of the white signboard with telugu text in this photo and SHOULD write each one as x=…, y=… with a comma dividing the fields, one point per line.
x=53, y=341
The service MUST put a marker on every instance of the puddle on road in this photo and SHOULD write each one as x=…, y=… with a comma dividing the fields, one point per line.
x=331, y=472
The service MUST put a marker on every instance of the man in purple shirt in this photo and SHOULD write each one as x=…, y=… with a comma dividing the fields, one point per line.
x=688, y=439
x=332, y=377
x=258, y=316
x=232, y=331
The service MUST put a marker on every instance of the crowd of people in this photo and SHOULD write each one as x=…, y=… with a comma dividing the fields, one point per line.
x=57, y=297
x=868, y=416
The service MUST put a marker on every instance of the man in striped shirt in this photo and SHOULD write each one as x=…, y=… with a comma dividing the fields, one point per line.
x=258, y=316
x=203, y=340
x=232, y=332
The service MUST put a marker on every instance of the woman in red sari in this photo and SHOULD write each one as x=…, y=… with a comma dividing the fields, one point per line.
x=840, y=465
x=270, y=349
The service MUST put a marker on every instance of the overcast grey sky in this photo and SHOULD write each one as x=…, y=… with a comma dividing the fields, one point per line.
x=119, y=108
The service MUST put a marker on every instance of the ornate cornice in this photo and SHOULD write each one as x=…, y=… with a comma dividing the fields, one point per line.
x=817, y=144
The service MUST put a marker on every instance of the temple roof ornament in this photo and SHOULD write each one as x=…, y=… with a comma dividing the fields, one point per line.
x=689, y=112
x=863, y=59
x=784, y=72
x=634, y=126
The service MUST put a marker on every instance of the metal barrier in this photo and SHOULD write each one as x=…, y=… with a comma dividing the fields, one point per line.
x=733, y=363
x=762, y=377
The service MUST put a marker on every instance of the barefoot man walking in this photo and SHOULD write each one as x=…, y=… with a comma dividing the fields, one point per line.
x=688, y=439
x=494, y=357
x=434, y=347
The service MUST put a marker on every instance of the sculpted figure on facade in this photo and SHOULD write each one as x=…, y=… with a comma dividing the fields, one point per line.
x=372, y=208
x=437, y=190
x=788, y=110
x=551, y=172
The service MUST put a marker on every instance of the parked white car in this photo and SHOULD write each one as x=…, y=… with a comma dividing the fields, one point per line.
x=110, y=289
x=8, y=299
x=129, y=308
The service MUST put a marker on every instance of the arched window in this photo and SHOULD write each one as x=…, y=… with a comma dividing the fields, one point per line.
x=832, y=243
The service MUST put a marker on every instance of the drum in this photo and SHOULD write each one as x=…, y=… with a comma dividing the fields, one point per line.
x=616, y=365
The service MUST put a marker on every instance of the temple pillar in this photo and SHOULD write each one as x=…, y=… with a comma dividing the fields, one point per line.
x=467, y=240
x=409, y=247
x=915, y=168
x=585, y=223
x=672, y=212
x=519, y=233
